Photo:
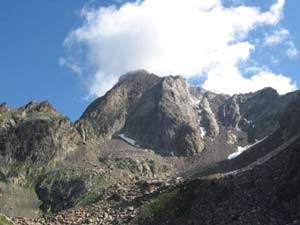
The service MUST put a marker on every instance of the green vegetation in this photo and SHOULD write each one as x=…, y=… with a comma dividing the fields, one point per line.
x=56, y=186
x=27, y=173
x=168, y=205
x=5, y=221
x=64, y=188
x=3, y=178
x=127, y=164
x=14, y=169
x=151, y=163
x=96, y=191
x=89, y=198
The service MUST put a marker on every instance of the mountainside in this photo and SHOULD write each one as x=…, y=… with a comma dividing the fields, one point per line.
x=35, y=132
x=265, y=191
x=173, y=118
x=154, y=150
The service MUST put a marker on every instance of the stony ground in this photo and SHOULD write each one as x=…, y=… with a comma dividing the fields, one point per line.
x=120, y=206
x=267, y=194
x=247, y=198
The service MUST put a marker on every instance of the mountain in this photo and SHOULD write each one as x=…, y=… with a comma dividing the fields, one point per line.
x=173, y=118
x=35, y=132
x=264, y=190
x=154, y=150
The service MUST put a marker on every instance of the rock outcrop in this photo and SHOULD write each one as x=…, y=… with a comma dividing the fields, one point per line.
x=173, y=118
x=166, y=119
x=158, y=113
x=103, y=168
x=108, y=114
x=35, y=132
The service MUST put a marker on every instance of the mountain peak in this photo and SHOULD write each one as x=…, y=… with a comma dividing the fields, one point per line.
x=3, y=107
x=33, y=103
x=45, y=106
x=135, y=74
x=268, y=91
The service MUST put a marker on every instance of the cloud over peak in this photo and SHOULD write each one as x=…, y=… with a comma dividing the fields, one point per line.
x=195, y=38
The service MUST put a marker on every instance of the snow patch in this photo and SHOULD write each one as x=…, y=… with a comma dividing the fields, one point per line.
x=195, y=101
x=129, y=140
x=241, y=149
x=202, y=132
x=248, y=121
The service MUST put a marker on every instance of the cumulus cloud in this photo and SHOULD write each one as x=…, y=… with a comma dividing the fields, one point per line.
x=234, y=82
x=277, y=37
x=282, y=36
x=194, y=38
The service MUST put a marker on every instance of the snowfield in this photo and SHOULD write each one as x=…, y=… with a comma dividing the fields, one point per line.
x=129, y=140
x=241, y=149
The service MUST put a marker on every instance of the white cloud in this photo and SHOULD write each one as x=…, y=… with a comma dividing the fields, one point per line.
x=75, y=68
x=277, y=37
x=282, y=36
x=291, y=51
x=191, y=38
x=233, y=82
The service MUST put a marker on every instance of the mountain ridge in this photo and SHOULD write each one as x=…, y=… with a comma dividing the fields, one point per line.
x=143, y=144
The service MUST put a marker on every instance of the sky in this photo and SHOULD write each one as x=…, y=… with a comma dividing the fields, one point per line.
x=71, y=52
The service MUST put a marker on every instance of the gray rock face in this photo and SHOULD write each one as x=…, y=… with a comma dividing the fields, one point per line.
x=108, y=114
x=159, y=113
x=166, y=119
x=35, y=132
x=171, y=117
x=257, y=114
x=208, y=119
x=3, y=108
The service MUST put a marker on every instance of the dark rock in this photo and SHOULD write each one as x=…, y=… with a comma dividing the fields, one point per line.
x=36, y=132
x=3, y=107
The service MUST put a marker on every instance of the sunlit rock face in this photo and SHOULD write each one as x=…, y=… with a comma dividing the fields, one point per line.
x=174, y=118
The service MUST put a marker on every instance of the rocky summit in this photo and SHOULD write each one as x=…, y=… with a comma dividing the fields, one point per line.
x=153, y=150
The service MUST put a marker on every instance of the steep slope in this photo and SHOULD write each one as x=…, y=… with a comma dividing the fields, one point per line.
x=257, y=113
x=159, y=113
x=35, y=132
x=266, y=194
x=173, y=118
x=108, y=114
x=102, y=169
x=46, y=165
x=166, y=119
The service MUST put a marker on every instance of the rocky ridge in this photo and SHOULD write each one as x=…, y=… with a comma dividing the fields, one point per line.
x=173, y=118
x=35, y=132
x=107, y=168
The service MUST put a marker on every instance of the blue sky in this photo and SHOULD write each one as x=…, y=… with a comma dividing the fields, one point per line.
x=32, y=34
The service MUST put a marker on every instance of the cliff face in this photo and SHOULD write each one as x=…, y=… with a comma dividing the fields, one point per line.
x=108, y=114
x=105, y=160
x=166, y=119
x=159, y=113
x=164, y=114
x=35, y=132
x=173, y=118
x=250, y=189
